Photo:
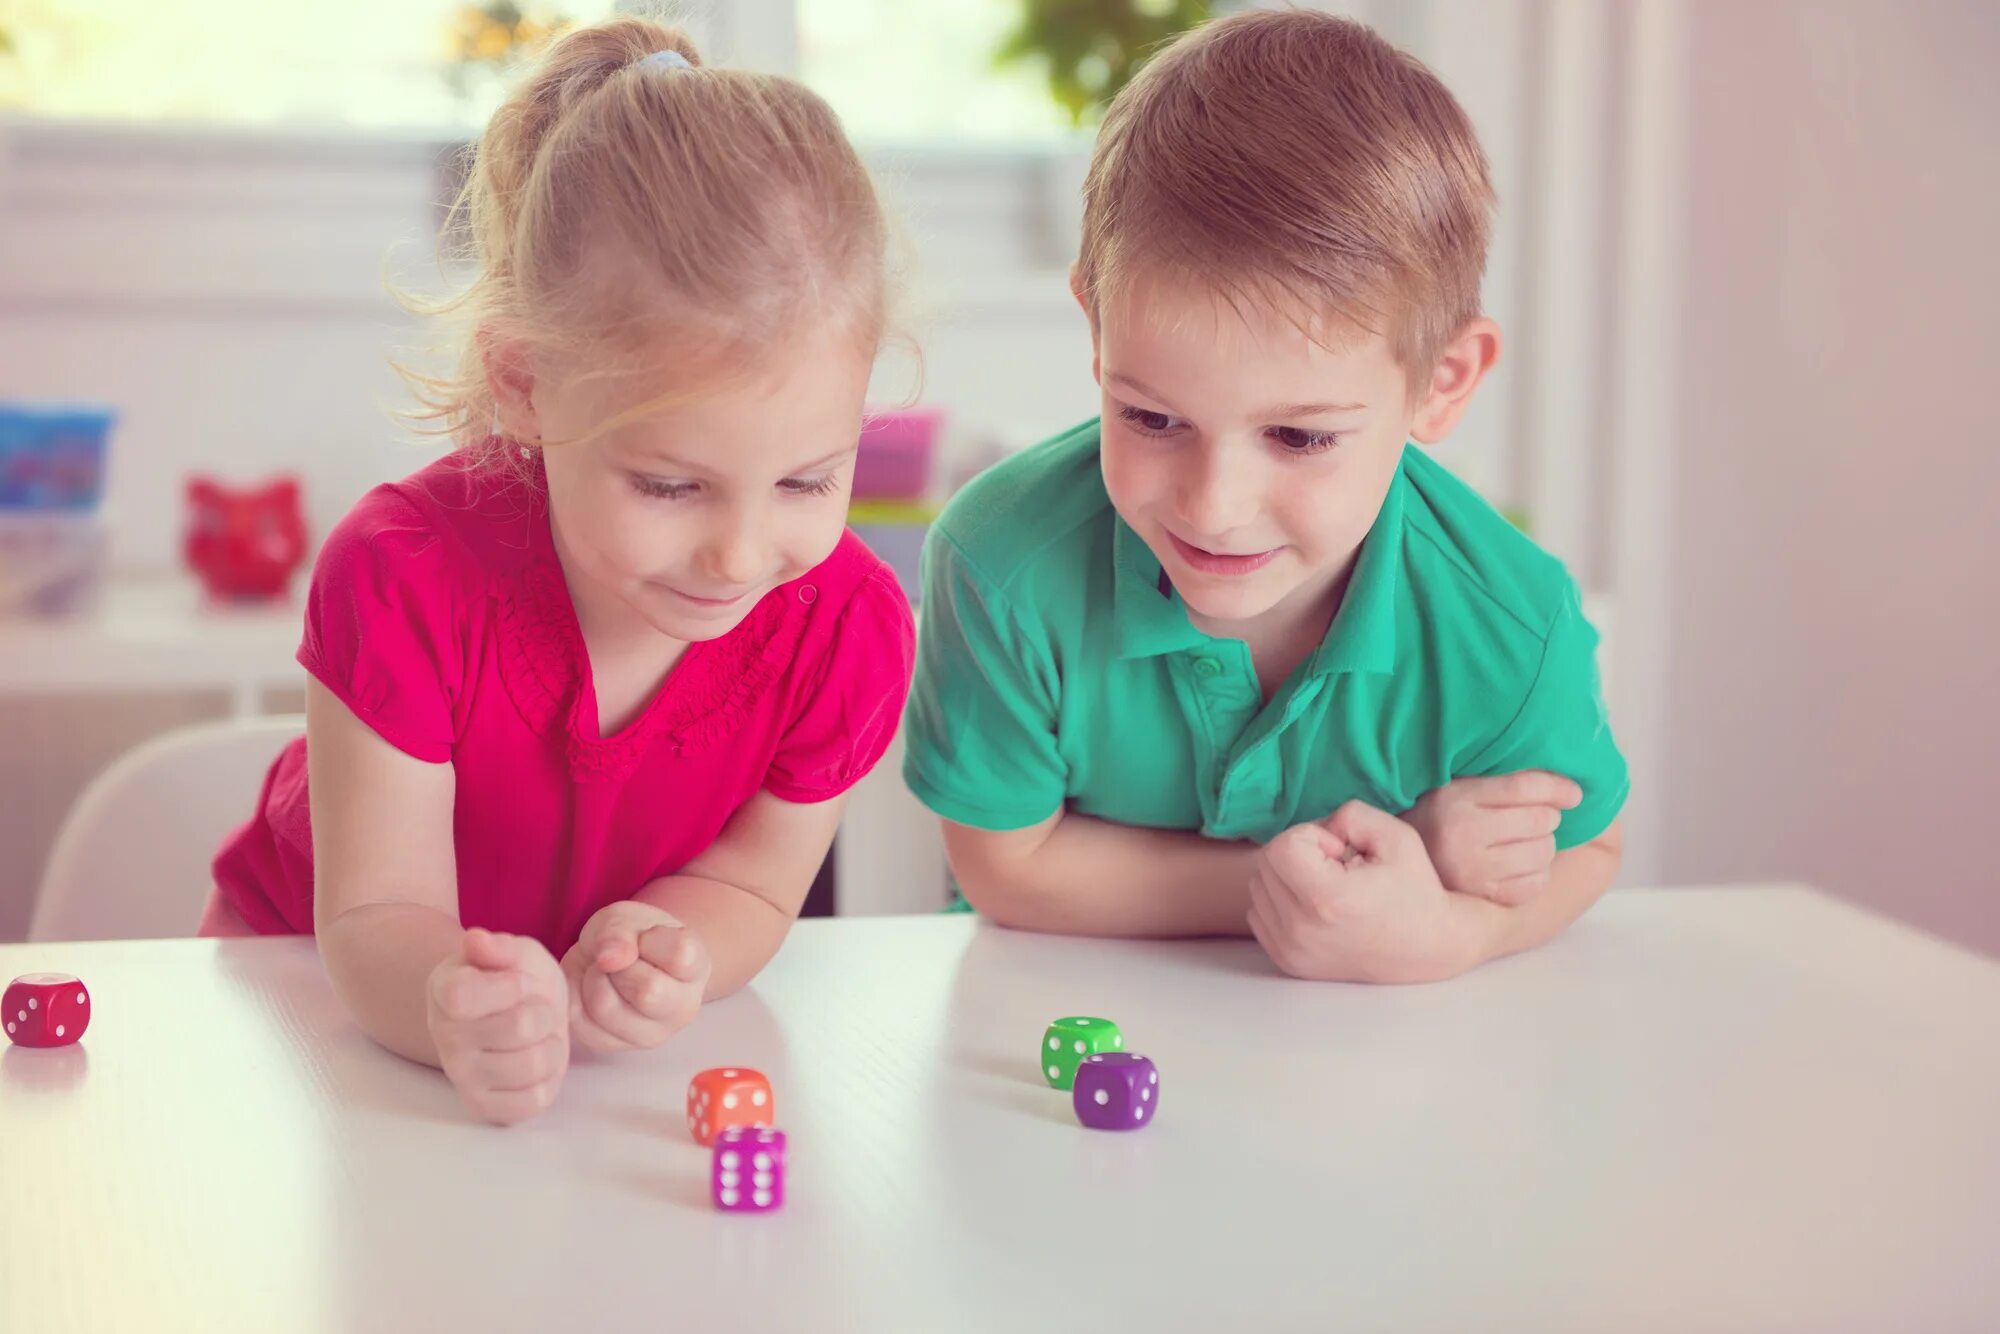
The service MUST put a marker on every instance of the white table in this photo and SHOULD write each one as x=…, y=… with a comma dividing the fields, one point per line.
x=1702, y=1110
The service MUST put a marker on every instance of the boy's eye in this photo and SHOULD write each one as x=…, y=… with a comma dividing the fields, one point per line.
x=660, y=489
x=1299, y=440
x=1147, y=421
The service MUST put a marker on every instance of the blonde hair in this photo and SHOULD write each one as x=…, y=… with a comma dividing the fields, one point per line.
x=623, y=211
x=1292, y=159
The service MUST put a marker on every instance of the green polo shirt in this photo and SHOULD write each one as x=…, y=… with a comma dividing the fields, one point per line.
x=1056, y=668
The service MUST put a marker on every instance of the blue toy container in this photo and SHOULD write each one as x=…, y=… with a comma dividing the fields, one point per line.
x=52, y=457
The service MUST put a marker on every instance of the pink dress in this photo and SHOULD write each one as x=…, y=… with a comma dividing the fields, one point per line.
x=439, y=615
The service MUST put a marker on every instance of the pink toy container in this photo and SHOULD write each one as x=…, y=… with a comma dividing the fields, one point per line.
x=897, y=449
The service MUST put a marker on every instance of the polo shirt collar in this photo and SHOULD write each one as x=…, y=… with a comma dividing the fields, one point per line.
x=1147, y=616
x=1362, y=637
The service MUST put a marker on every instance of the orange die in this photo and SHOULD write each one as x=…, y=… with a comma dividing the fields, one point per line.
x=719, y=1099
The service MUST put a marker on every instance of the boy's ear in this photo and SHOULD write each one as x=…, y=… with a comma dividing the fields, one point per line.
x=1460, y=367
x=1089, y=313
x=510, y=376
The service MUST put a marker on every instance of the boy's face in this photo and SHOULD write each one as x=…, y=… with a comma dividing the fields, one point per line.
x=1251, y=459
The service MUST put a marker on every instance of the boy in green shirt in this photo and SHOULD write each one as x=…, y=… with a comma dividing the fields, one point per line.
x=1238, y=657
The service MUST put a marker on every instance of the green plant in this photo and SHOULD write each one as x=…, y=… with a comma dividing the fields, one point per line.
x=1093, y=47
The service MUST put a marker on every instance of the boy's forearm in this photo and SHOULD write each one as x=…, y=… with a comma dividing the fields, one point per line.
x=380, y=957
x=741, y=930
x=1578, y=879
x=1092, y=877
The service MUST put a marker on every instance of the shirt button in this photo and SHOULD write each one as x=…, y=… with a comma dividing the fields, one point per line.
x=808, y=594
x=1207, y=668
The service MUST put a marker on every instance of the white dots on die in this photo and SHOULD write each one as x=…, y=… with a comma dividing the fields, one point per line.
x=59, y=1030
x=758, y=1097
x=704, y=1130
x=1145, y=1095
x=1055, y=1044
x=81, y=998
x=1081, y=1023
x=728, y=1101
x=1055, y=1072
x=1152, y=1076
x=10, y=1025
x=764, y=1137
x=33, y=1004
x=1079, y=1047
x=729, y=1161
x=761, y=1198
x=1117, y=1039
x=1139, y=1113
x=762, y=1162
x=1102, y=1097
x=729, y=1074
x=761, y=1180
x=731, y=1180
x=730, y=1197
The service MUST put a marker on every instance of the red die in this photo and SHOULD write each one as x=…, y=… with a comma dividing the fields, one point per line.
x=719, y=1099
x=45, y=1009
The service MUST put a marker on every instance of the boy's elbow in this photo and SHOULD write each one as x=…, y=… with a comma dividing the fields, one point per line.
x=996, y=874
x=996, y=896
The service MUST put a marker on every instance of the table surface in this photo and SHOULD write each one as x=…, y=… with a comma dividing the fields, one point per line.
x=1741, y=1108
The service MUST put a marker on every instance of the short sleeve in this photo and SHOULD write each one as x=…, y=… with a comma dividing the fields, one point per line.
x=1562, y=727
x=981, y=740
x=378, y=624
x=849, y=717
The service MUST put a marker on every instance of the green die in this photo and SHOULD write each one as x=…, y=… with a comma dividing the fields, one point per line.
x=1068, y=1041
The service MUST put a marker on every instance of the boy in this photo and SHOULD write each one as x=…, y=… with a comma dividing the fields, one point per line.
x=1178, y=666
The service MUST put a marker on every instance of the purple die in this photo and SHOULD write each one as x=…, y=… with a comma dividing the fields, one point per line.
x=1116, y=1090
x=749, y=1172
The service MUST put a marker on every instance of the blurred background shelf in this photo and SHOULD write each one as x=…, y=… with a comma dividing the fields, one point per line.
x=155, y=634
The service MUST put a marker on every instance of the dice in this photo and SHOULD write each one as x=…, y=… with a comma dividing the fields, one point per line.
x=1116, y=1091
x=45, y=1009
x=749, y=1170
x=721, y=1098
x=1068, y=1041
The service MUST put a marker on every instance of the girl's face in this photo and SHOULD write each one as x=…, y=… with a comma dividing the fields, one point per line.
x=681, y=521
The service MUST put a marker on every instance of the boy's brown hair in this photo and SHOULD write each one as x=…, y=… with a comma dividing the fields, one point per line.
x=1291, y=158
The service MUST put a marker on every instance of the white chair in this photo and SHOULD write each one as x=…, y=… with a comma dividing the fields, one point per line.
x=131, y=860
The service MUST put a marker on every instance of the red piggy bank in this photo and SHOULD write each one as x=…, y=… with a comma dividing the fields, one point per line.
x=245, y=544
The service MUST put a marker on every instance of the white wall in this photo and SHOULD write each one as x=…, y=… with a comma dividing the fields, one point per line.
x=1834, y=692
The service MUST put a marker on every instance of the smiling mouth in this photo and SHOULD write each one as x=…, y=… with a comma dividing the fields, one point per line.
x=710, y=604
x=1218, y=562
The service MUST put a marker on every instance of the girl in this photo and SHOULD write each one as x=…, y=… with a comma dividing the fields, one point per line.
x=585, y=697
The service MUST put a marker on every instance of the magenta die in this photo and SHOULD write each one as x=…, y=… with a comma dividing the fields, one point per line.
x=1116, y=1090
x=749, y=1174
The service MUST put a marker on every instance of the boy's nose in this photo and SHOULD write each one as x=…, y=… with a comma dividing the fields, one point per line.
x=1215, y=498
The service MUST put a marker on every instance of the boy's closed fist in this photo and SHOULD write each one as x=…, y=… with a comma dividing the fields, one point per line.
x=1355, y=899
x=1495, y=837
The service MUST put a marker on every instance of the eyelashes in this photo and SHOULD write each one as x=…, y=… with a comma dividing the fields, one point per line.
x=1292, y=439
x=658, y=489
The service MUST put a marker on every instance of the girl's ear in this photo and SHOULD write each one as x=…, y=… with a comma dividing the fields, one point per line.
x=510, y=376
